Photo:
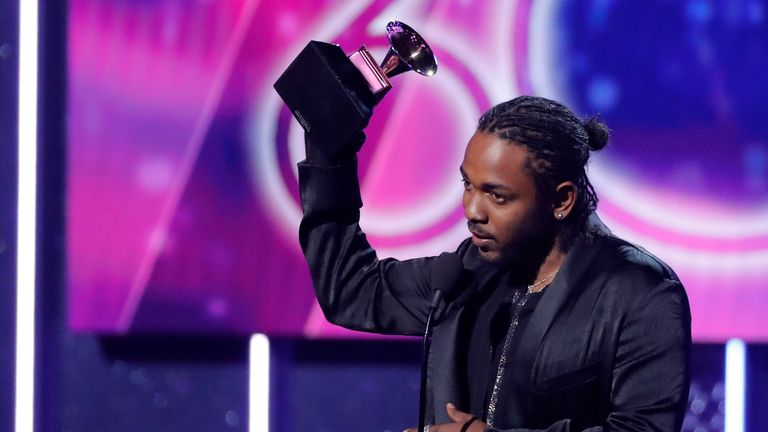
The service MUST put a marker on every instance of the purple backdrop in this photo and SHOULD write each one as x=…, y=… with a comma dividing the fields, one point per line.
x=182, y=194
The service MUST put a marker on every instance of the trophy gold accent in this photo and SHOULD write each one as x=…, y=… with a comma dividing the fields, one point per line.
x=332, y=95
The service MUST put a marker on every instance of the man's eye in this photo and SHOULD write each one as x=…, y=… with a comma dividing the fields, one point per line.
x=467, y=185
x=499, y=199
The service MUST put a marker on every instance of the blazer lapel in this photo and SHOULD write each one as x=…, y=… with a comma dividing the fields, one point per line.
x=579, y=259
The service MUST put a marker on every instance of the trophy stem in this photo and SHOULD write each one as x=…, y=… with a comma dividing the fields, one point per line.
x=393, y=65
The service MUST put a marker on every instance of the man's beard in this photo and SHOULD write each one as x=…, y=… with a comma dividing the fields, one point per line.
x=524, y=254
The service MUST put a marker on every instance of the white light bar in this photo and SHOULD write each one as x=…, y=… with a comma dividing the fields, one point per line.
x=26, y=212
x=258, y=384
x=735, y=384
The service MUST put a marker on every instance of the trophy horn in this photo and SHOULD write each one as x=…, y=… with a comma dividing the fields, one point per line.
x=407, y=51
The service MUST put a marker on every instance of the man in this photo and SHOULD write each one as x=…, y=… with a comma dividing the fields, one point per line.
x=559, y=325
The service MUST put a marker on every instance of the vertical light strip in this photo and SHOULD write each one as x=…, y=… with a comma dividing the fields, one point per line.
x=258, y=384
x=26, y=212
x=735, y=384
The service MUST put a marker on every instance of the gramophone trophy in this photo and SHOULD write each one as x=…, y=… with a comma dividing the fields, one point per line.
x=332, y=95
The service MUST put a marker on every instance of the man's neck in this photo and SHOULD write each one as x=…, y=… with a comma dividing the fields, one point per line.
x=548, y=268
x=541, y=259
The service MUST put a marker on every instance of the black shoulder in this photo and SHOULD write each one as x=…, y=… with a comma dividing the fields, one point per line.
x=625, y=257
x=634, y=284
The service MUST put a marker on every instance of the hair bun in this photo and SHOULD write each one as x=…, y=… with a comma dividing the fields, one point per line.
x=597, y=132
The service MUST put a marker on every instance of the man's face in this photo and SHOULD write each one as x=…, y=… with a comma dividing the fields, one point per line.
x=500, y=203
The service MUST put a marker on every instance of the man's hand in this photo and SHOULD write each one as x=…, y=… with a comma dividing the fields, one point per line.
x=330, y=153
x=459, y=418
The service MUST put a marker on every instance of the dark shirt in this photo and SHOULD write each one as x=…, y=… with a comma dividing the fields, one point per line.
x=496, y=313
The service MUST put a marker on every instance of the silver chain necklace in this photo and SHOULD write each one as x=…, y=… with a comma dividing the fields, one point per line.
x=542, y=281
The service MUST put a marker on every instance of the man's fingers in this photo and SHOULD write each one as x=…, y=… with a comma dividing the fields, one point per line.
x=458, y=417
x=455, y=414
x=432, y=428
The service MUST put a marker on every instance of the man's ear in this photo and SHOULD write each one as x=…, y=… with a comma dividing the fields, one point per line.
x=564, y=200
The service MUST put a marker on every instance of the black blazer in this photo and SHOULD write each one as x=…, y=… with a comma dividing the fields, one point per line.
x=608, y=345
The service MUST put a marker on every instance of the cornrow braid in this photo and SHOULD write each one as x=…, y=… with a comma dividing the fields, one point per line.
x=559, y=144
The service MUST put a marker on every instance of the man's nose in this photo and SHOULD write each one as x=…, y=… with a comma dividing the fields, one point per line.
x=474, y=210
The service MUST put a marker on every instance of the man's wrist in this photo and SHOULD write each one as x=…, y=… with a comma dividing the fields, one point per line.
x=330, y=153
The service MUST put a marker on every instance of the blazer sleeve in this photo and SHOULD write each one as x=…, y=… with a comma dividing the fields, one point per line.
x=651, y=376
x=354, y=288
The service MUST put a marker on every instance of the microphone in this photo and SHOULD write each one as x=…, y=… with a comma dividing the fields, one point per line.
x=444, y=275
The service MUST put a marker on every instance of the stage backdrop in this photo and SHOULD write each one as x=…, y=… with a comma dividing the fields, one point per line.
x=182, y=193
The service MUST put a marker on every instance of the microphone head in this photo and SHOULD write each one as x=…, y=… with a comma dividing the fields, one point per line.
x=445, y=273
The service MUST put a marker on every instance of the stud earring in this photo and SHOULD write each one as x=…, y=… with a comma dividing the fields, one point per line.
x=559, y=216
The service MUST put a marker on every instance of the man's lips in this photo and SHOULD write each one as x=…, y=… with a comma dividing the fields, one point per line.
x=479, y=237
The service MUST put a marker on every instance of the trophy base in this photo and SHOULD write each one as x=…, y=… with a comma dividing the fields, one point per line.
x=327, y=94
x=374, y=76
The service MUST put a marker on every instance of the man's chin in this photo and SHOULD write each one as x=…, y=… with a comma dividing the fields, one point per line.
x=499, y=257
x=490, y=256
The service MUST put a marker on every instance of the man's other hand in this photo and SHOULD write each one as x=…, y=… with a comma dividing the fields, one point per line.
x=460, y=418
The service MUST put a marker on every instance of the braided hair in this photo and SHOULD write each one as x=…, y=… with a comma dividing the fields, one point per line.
x=559, y=144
